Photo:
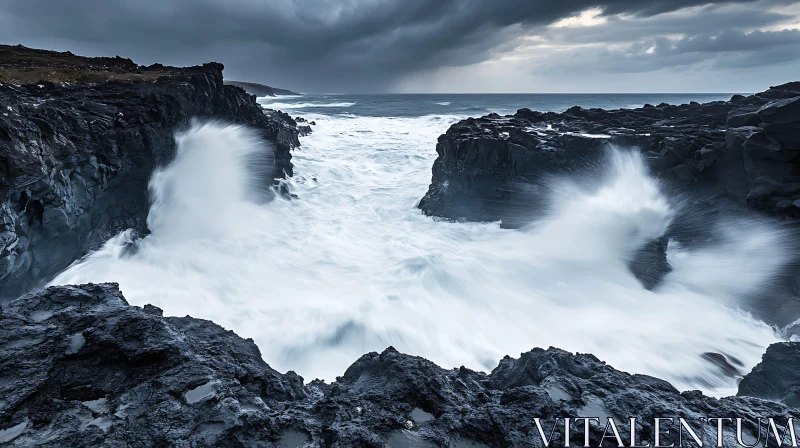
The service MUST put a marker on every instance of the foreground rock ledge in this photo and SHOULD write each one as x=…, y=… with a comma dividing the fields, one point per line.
x=79, y=366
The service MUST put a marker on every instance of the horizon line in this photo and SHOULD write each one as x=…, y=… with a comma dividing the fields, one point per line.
x=528, y=93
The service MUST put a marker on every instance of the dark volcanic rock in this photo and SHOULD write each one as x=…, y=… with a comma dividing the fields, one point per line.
x=745, y=149
x=742, y=152
x=93, y=371
x=75, y=159
x=79, y=367
x=777, y=376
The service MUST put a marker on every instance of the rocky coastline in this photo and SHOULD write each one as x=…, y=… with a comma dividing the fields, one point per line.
x=80, y=367
x=744, y=149
x=734, y=155
x=78, y=146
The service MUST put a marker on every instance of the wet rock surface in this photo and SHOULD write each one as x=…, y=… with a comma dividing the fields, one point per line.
x=81, y=367
x=76, y=155
x=777, y=376
x=744, y=149
x=723, y=156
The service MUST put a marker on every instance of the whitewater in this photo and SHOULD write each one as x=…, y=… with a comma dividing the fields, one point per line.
x=350, y=265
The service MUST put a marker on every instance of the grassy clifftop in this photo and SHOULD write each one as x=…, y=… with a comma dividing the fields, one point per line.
x=23, y=65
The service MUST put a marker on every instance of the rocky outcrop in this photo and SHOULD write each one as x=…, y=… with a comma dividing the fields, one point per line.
x=256, y=89
x=82, y=368
x=76, y=157
x=721, y=155
x=777, y=376
x=745, y=149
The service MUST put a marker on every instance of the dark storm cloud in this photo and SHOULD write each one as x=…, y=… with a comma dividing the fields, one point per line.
x=727, y=41
x=709, y=19
x=718, y=38
x=309, y=45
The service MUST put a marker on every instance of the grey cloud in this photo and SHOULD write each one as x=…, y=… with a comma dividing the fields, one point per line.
x=754, y=49
x=728, y=41
x=308, y=45
x=711, y=18
x=727, y=49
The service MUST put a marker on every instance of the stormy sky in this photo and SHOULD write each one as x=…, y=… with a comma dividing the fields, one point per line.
x=355, y=46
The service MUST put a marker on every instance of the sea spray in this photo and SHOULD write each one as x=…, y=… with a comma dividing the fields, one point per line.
x=618, y=212
x=351, y=265
x=204, y=192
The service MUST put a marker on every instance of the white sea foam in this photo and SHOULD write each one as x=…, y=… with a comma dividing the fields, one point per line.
x=352, y=266
x=268, y=103
x=279, y=97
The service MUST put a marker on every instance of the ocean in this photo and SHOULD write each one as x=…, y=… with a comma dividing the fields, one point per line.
x=350, y=265
x=471, y=105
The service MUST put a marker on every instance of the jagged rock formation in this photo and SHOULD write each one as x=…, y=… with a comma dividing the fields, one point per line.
x=82, y=368
x=724, y=154
x=745, y=149
x=257, y=89
x=76, y=153
x=777, y=376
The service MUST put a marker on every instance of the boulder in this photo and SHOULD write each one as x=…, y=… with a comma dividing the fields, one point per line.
x=777, y=376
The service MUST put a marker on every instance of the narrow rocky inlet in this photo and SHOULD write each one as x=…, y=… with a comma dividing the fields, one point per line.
x=198, y=197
